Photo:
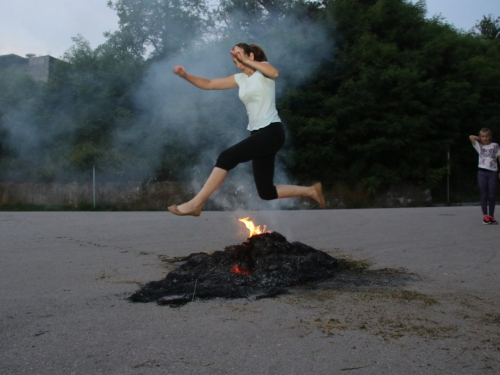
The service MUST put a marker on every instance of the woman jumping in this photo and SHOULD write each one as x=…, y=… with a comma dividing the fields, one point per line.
x=267, y=136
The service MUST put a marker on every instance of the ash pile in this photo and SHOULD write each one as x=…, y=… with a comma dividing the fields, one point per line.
x=265, y=264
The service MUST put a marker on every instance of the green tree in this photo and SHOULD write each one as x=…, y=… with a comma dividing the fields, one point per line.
x=489, y=27
x=250, y=18
x=99, y=99
x=31, y=127
x=398, y=91
x=158, y=27
x=18, y=93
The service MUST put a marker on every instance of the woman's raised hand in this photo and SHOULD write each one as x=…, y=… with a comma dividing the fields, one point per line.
x=239, y=55
x=179, y=70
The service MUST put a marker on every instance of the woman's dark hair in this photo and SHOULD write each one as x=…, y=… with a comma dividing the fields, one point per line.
x=258, y=53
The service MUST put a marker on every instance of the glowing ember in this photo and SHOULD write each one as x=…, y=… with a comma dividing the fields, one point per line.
x=242, y=271
x=252, y=228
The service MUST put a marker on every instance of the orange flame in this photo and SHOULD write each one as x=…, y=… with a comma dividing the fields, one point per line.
x=251, y=227
x=242, y=271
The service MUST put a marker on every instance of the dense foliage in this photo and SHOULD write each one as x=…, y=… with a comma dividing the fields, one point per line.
x=398, y=93
x=380, y=102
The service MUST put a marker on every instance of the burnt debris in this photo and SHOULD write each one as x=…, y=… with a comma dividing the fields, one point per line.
x=265, y=264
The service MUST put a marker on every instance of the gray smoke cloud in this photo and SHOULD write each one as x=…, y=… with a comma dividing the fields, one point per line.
x=25, y=132
x=173, y=115
x=210, y=121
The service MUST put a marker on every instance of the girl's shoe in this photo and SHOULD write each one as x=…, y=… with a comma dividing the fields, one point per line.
x=486, y=220
x=492, y=220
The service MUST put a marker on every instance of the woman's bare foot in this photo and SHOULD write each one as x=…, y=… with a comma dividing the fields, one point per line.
x=185, y=210
x=318, y=194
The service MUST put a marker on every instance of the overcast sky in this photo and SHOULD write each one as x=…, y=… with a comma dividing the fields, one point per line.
x=45, y=27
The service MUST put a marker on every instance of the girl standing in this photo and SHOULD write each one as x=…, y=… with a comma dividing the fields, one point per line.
x=487, y=175
x=257, y=92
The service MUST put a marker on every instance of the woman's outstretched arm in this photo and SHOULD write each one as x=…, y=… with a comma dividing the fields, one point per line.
x=204, y=83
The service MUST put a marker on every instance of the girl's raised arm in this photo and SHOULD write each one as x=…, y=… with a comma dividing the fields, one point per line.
x=205, y=83
x=474, y=139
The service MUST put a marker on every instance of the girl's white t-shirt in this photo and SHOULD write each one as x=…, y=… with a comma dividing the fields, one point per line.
x=488, y=155
x=258, y=93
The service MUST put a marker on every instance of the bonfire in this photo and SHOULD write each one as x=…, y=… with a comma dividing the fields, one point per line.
x=262, y=266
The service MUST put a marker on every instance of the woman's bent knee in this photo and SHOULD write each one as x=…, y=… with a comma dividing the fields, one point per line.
x=226, y=161
x=268, y=194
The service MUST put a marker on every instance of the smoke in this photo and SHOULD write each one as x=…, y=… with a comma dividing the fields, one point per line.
x=31, y=138
x=189, y=120
x=178, y=127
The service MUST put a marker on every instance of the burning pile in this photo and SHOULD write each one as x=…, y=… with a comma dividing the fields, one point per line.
x=266, y=263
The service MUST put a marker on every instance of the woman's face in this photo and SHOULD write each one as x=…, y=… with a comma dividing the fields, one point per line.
x=238, y=63
x=485, y=138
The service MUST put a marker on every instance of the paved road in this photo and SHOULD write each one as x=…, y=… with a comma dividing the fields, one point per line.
x=65, y=277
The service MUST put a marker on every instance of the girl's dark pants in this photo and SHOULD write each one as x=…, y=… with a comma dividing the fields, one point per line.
x=260, y=147
x=487, y=181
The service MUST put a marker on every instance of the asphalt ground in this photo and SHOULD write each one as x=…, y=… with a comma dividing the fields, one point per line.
x=65, y=278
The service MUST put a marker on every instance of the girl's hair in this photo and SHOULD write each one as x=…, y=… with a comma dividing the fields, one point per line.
x=486, y=130
x=258, y=53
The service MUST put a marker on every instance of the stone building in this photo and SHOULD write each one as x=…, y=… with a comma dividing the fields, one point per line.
x=39, y=67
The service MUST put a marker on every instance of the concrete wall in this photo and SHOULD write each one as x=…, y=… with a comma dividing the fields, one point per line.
x=126, y=196
x=39, y=67
x=12, y=60
x=134, y=196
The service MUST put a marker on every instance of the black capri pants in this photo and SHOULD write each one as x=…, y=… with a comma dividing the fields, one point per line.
x=260, y=147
